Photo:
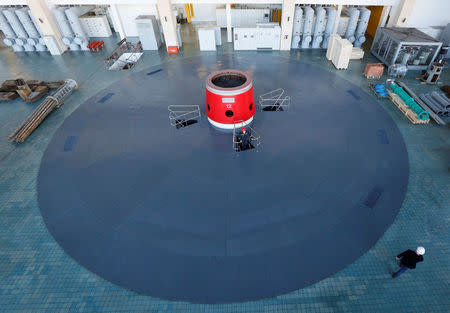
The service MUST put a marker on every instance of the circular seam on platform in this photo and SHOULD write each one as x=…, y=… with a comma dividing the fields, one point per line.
x=183, y=282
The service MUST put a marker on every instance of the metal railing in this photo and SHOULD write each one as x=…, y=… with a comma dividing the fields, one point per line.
x=125, y=56
x=255, y=138
x=179, y=114
x=275, y=100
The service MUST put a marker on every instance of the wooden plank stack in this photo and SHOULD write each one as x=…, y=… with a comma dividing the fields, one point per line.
x=30, y=90
x=40, y=113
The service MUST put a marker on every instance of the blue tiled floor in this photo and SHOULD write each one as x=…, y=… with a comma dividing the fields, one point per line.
x=37, y=276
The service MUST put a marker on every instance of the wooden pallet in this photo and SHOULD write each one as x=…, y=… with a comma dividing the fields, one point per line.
x=406, y=110
x=437, y=82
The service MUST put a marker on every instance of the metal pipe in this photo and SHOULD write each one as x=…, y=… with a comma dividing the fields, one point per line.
x=330, y=26
x=296, y=28
x=436, y=118
x=441, y=100
x=295, y=42
x=434, y=107
x=319, y=27
x=362, y=27
x=307, y=27
x=22, y=35
x=42, y=111
x=28, y=47
x=409, y=101
x=10, y=35
x=298, y=16
x=74, y=47
x=352, y=22
x=17, y=48
x=41, y=39
x=80, y=37
x=430, y=99
x=33, y=34
x=64, y=26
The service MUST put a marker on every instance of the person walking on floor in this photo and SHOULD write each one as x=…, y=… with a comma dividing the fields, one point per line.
x=409, y=259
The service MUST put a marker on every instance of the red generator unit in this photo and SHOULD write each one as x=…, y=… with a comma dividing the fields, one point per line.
x=229, y=99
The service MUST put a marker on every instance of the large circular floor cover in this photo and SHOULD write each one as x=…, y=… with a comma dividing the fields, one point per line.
x=176, y=213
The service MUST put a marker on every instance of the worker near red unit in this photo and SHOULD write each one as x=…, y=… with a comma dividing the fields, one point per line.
x=409, y=259
x=245, y=139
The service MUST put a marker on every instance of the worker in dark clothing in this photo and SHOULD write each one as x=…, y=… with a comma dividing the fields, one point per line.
x=244, y=140
x=409, y=259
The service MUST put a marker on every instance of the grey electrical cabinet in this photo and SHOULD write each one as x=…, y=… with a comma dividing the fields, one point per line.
x=407, y=46
x=148, y=31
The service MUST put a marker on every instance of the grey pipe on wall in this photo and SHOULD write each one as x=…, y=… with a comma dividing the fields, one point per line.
x=352, y=23
x=319, y=27
x=330, y=25
x=362, y=26
x=307, y=27
x=80, y=37
x=15, y=24
x=5, y=27
x=33, y=34
x=41, y=39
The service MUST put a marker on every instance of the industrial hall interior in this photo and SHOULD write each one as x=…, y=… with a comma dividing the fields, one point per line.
x=222, y=156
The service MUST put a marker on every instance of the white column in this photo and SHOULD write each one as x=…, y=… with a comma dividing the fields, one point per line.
x=287, y=23
x=401, y=14
x=168, y=22
x=338, y=17
x=117, y=21
x=384, y=16
x=46, y=22
x=229, y=29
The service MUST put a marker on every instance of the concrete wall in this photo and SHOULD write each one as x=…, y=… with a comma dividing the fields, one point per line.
x=204, y=12
x=128, y=14
x=430, y=13
x=430, y=16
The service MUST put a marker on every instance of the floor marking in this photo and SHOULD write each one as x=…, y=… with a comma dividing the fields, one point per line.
x=70, y=143
x=382, y=136
x=154, y=72
x=373, y=197
x=353, y=94
x=105, y=98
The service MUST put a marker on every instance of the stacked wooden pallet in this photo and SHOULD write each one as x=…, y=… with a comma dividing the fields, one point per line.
x=410, y=114
x=30, y=90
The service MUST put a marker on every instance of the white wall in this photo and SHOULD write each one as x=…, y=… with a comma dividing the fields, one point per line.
x=428, y=13
x=430, y=16
x=204, y=12
x=128, y=14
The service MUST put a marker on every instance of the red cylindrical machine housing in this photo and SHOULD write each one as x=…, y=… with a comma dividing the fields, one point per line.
x=229, y=99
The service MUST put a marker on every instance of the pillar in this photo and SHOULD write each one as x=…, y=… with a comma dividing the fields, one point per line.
x=47, y=24
x=117, y=21
x=287, y=23
x=338, y=17
x=384, y=16
x=168, y=22
x=229, y=29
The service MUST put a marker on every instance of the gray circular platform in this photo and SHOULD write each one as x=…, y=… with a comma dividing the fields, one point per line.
x=177, y=214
